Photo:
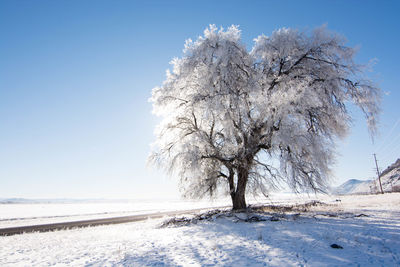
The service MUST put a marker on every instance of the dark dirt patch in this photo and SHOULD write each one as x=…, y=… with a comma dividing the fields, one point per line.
x=336, y=246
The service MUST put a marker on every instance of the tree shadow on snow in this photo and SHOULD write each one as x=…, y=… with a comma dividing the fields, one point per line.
x=306, y=240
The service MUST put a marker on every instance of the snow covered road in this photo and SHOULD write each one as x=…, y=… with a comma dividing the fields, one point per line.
x=92, y=222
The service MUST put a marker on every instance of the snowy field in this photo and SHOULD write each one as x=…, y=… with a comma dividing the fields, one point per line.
x=367, y=227
x=12, y=215
x=23, y=214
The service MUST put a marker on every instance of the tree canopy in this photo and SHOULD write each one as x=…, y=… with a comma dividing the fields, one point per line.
x=246, y=121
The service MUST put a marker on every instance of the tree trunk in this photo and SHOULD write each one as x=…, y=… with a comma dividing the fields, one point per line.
x=238, y=201
x=238, y=196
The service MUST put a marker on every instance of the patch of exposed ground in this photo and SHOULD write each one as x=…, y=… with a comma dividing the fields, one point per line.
x=259, y=213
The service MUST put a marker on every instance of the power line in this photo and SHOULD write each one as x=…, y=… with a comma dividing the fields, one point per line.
x=388, y=135
x=393, y=154
x=389, y=144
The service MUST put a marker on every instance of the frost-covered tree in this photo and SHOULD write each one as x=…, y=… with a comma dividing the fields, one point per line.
x=246, y=121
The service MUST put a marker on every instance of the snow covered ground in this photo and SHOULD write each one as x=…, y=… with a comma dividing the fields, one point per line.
x=12, y=215
x=54, y=211
x=367, y=227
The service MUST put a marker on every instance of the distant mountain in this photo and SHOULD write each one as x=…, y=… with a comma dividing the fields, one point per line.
x=390, y=179
x=353, y=186
x=51, y=200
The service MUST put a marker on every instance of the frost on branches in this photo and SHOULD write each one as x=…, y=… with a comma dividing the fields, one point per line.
x=238, y=120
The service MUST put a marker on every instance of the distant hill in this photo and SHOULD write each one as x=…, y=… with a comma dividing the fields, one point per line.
x=390, y=179
x=353, y=186
x=51, y=200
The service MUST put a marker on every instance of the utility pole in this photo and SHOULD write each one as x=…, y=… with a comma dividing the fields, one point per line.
x=377, y=172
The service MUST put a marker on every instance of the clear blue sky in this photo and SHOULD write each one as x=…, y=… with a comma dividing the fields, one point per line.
x=75, y=78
